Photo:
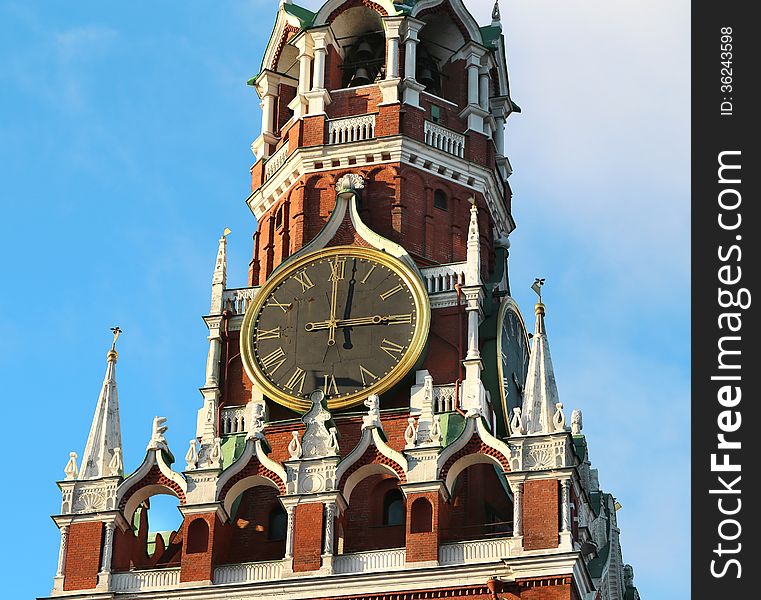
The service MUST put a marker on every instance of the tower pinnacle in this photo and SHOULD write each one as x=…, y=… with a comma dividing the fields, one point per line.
x=105, y=440
x=540, y=398
x=496, y=20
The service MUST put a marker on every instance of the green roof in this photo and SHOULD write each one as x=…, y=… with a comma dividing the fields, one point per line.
x=305, y=17
x=490, y=35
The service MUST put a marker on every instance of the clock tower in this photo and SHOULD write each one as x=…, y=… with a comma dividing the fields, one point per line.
x=376, y=421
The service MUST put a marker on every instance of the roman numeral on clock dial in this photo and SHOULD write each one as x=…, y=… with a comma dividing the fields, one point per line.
x=393, y=349
x=304, y=280
x=363, y=373
x=296, y=382
x=387, y=294
x=268, y=334
x=274, y=360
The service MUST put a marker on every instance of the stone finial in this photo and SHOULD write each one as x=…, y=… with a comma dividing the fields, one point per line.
x=191, y=458
x=215, y=455
x=71, y=469
x=410, y=433
x=116, y=466
x=473, y=251
x=628, y=576
x=333, y=441
x=256, y=421
x=517, y=424
x=496, y=19
x=316, y=441
x=558, y=419
x=436, y=430
x=372, y=418
x=158, y=441
x=576, y=423
x=350, y=182
x=294, y=447
x=219, y=279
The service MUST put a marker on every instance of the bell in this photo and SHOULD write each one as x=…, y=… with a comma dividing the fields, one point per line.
x=360, y=77
x=364, y=51
x=426, y=77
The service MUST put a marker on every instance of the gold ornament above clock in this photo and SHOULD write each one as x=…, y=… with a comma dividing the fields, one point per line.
x=346, y=320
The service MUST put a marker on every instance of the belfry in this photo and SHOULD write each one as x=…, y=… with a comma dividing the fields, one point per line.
x=375, y=420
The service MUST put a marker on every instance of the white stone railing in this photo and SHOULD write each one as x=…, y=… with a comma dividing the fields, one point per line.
x=238, y=300
x=352, y=129
x=444, y=139
x=246, y=572
x=444, y=277
x=365, y=562
x=475, y=552
x=444, y=398
x=233, y=420
x=276, y=161
x=142, y=581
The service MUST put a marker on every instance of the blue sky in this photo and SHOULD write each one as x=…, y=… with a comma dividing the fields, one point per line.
x=124, y=134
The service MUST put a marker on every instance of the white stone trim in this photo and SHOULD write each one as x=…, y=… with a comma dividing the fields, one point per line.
x=152, y=457
x=399, y=148
x=459, y=8
x=327, y=9
x=149, y=579
x=269, y=570
x=369, y=562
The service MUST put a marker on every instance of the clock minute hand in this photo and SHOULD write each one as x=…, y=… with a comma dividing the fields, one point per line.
x=373, y=320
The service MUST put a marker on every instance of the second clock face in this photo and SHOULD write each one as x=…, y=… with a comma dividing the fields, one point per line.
x=348, y=321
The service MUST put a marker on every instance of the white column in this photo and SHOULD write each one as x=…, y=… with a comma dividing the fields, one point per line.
x=212, y=359
x=410, y=55
x=483, y=88
x=499, y=135
x=305, y=69
x=518, y=510
x=290, y=511
x=108, y=547
x=473, y=81
x=330, y=515
x=392, y=57
x=62, y=551
x=268, y=113
x=565, y=504
x=318, y=74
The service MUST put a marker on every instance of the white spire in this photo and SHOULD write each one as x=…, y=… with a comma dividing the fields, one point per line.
x=219, y=280
x=540, y=397
x=105, y=439
x=473, y=252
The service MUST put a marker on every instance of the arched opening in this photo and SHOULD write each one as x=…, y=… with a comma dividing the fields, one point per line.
x=198, y=536
x=480, y=505
x=257, y=525
x=421, y=516
x=440, y=39
x=155, y=537
x=376, y=516
x=359, y=31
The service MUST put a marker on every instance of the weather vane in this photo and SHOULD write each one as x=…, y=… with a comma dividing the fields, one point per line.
x=537, y=287
x=117, y=332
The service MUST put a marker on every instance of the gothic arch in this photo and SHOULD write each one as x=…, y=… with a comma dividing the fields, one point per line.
x=153, y=477
x=240, y=486
x=363, y=472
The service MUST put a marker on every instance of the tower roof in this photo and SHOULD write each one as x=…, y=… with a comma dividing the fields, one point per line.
x=105, y=439
x=541, y=394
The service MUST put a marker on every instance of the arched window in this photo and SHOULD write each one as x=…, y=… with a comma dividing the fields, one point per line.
x=421, y=519
x=277, y=524
x=440, y=199
x=198, y=536
x=393, y=508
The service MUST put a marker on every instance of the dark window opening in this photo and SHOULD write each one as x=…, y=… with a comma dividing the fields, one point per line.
x=440, y=200
x=277, y=525
x=393, y=508
x=365, y=61
x=422, y=516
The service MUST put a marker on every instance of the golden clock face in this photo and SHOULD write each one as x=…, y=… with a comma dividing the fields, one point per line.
x=346, y=320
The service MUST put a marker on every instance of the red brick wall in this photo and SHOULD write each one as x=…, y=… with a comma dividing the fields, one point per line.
x=364, y=529
x=198, y=566
x=353, y=101
x=248, y=530
x=83, y=556
x=307, y=537
x=540, y=514
x=423, y=545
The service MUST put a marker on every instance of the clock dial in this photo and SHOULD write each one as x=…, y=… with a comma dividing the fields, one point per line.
x=348, y=321
x=513, y=349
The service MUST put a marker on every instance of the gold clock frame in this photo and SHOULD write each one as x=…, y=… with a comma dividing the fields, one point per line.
x=397, y=373
x=506, y=305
